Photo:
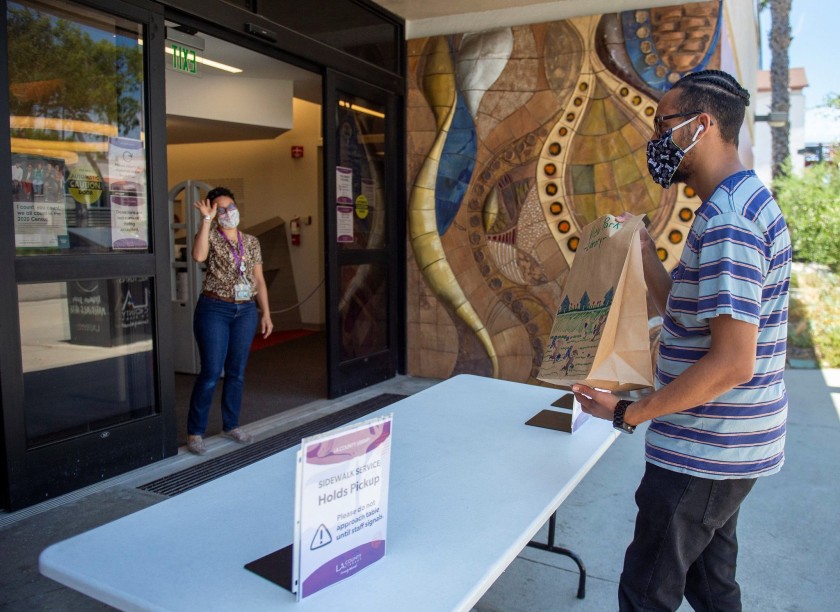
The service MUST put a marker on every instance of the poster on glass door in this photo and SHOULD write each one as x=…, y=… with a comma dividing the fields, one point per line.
x=343, y=185
x=127, y=187
x=344, y=205
x=341, y=505
x=38, y=198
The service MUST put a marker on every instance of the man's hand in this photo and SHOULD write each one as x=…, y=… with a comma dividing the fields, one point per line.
x=599, y=404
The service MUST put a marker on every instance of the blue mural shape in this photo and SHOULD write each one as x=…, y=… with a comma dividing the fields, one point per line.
x=633, y=46
x=457, y=163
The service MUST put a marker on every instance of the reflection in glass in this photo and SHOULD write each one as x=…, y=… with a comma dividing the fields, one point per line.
x=363, y=310
x=87, y=355
x=77, y=130
x=360, y=174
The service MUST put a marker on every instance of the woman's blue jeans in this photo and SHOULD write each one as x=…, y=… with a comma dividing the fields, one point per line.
x=685, y=543
x=224, y=332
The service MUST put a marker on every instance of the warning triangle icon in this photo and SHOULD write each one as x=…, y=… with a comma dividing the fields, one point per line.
x=322, y=538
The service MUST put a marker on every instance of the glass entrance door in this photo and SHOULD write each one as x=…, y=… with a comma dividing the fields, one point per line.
x=363, y=243
x=80, y=356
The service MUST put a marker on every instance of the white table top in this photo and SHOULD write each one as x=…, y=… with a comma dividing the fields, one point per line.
x=470, y=485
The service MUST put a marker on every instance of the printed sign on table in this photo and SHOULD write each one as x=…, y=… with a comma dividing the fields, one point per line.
x=341, y=509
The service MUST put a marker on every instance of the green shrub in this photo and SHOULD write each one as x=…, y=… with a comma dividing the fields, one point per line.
x=811, y=205
x=816, y=301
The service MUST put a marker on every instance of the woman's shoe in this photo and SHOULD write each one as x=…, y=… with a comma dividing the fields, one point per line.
x=238, y=436
x=195, y=444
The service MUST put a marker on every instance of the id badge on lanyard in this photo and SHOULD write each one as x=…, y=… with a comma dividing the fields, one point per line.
x=242, y=289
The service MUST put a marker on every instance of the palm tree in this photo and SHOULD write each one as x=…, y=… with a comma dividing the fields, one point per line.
x=779, y=78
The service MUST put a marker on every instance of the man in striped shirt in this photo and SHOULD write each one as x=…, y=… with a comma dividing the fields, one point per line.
x=719, y=409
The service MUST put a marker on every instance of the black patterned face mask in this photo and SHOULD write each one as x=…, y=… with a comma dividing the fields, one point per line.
x=664, y=155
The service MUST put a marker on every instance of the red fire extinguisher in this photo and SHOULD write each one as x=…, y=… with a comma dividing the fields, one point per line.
x=294, y=227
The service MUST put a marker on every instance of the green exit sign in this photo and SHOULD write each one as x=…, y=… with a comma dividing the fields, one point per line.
x=183, y=60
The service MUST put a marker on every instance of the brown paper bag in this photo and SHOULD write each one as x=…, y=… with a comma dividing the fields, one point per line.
x=600, y=333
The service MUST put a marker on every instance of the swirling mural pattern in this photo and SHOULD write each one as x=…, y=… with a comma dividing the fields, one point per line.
x=517, y=139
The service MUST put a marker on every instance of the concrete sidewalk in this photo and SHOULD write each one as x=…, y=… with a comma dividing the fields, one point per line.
x=788, y=531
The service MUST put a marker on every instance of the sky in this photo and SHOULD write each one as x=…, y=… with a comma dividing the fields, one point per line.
x=815, y=27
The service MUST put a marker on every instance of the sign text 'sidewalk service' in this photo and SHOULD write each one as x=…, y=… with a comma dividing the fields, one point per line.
x=342, y=504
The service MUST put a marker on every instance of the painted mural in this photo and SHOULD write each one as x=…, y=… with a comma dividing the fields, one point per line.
x=517, y=138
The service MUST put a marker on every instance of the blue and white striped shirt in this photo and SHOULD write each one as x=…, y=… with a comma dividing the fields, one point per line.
x=736, y=262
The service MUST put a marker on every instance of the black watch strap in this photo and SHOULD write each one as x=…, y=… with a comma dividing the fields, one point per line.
x=618, y=417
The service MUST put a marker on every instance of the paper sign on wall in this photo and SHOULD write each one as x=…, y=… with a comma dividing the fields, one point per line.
x=341, y=505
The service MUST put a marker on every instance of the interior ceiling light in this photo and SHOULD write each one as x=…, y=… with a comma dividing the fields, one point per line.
x=361, y=109
x=209, y=62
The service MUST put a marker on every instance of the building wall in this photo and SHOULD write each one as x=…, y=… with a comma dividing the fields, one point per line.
x=517, y=138
x=272, y=185
x=763, y=140
x=739, y=57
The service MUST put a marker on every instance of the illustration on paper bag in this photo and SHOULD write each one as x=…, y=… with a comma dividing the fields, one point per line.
x=580, y=326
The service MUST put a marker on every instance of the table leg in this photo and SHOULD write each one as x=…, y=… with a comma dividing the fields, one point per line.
x=551, y=547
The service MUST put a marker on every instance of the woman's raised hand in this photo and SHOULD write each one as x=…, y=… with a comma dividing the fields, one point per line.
x=206, y=208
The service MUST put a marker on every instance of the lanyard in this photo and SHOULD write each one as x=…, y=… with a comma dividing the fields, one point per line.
x=238, y=253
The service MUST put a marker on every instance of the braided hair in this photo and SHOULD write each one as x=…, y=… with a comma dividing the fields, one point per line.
x=718, y=93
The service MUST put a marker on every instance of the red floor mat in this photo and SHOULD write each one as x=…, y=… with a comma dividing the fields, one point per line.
x=279, y=337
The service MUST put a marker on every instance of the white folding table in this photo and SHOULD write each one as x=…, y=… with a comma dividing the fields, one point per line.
x=470, y=486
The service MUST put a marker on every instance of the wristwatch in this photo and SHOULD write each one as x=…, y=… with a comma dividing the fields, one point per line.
x=618, y=417
x=208, y=218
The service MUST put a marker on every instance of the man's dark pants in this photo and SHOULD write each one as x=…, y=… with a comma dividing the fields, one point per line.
x=684, y=544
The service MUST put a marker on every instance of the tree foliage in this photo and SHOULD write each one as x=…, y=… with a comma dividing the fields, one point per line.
x=58, y=69
x=811, y=205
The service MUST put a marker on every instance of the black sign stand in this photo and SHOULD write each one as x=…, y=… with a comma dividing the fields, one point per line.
x=276, y=567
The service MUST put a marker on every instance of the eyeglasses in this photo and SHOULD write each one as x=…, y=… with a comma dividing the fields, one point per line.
x=657, y=121
x=223, y=211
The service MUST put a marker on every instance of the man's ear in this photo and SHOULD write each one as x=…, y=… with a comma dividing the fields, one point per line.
x=706, y=122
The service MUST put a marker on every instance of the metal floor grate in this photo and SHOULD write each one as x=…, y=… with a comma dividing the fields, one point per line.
x=197, y=475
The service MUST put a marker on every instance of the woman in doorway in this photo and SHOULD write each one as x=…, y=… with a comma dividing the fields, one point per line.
x=226, y=315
